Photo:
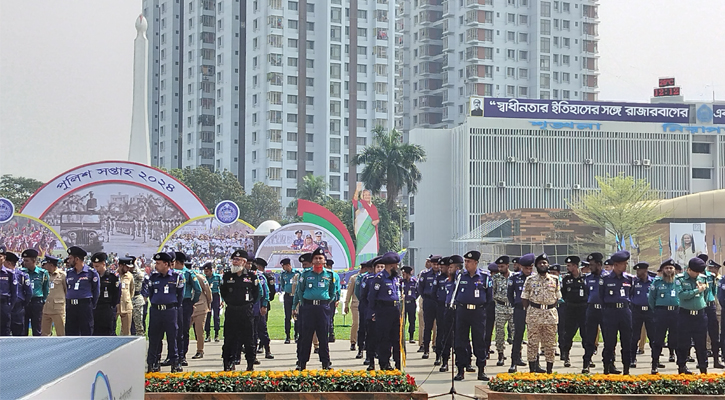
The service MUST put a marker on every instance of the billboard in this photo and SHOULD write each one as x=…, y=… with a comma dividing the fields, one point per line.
x=293, y=240
x=206, y=238
x=23, y=232
x=687, y=240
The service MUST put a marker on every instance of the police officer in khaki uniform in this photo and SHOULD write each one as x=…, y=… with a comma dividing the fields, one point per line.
x=54, y=308
x=540, y=295
x=127, y=288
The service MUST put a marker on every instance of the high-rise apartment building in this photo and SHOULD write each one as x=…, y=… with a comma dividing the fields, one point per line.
x=453, y=49
x=270, y=90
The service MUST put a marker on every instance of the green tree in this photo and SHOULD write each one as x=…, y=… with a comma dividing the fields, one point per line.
x=213, y=187
x=264, y=204
x=391, y=163
x=313, y=189
x=18, y=189
x=622, y=206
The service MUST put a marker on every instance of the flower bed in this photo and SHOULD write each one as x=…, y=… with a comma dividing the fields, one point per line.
x=282, y=381
x=707, y=384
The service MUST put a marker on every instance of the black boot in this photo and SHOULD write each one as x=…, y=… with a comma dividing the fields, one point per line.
x=482, y=374
x=437, y=361
x=153, y=368
x=549, y=367
x=176, y=367
x=444, y=366
x=613, y=369
x=228, y=366
x=626, y=370
x=684, y=370
x=585, y=368
x=426, y=355
x=331, y=339
x=469, y=368
x=359, y=354
x=371, y=366
x=165, y=363
x=633, y=364
x=703, y=369
x=513, y=368
x=250, y=366
x=198, y=355
x=268, y=353
x=534, y=367
x=539, y=369
x=287, y=340
x=501, y=359
x=460, y=375
x=716, y=360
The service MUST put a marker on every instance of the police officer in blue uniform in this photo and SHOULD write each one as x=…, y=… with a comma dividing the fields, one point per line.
x=573, y=294
x=315, y=293
x=365, y=268
x=166, y=292
x=449, y=315
x=83, y=292
x=441, y=293
x=287, y=278
x=410, y=294
x=615, y=291
x=384, y=300
x=261, y=308
x=515, y=287
x=472, y=292
x=371, y=337
x=642, y=313
x=40, y=286
x=104, y=314
x=333, y=305
x=23, y=295
x=594, y=308
x=662, y=298
x=427, y=288
x=8, y=293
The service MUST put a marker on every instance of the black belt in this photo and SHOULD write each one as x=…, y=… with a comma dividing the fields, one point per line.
x=409, y=301
x=503, y=303
x=164, y=306
x=640, y=308
x=315, y=302
x=75, y=302
x=37, y=300
x=615, y=305
x=691, y=312
x=542, y=306
x=711, y=304
x=471, y=306
x=239, y=305
x=596, y=306
x=668, y=308
x=387, y=303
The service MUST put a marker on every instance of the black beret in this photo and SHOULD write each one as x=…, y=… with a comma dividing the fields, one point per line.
x=702, y=257
x=12, y=257
x=318, y=252
x=608, y=261
x=390, y=257
x=284, y=261
x=163, y=257
x=50, y=260
x=696, y=264
x=407, y=269
x=188, y=264
x=375, y=261
x=596, y=257
x=541, y=257
x=307, y=257
x=443, y=261
x=641, y=265
x=77, y=251
x=555, y=267
x=179, y=256
x=298, y=231
x=455, y=259
x=99, y=257
x=515, y=260
x=585, y=264
x=127, y=260
x=239, y=253
x=208, y=265
x=330, y=263
x=473, y=255
x=667, y=262
x=620, y=256
x=503, y=260
x=3, y=250
x=261, y=262
x=30, y=253
x=527, y=260
x=172, y=254
x=434, y=258
x=573, y=260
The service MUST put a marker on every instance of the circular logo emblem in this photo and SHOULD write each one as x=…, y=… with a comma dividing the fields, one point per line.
x=226, y=212
x=7, y=209
x=704, y=114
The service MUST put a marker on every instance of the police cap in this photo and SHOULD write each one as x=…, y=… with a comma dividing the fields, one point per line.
x=620, y=256
x=180, y=257
x=319, y=252
x=261, y=262
x=443, y=261
x=641, y=265
x=12, y=257
x=375, y=261
x=99, y=257
x=127, y=260
x=515, y=260
x=596, y=257
x=307, y=257
x=713, y=264
x=573, y=260
x=188, y=264
x=390, y=257
x=702, y=257
x=608, y=261
x=163, y=257
x=493, y=267
x=503, y=260
x=667, y=262
x=541, y=257
x=208, y=265
x=239, y=253
x=434, y=258
x=456, y=259
x=527, y=260
x=285, y=261
x=50, y=260
x=3, y=250
x=77, y=251
x=473, y=255
x=555, y=267
x=298, y=231
x=330, y=263
x=407, y=269
x=30, y=253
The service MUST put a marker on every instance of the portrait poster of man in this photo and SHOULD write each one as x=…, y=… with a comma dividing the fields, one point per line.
x=476, y=107
x=687, y=240
x=366, y=225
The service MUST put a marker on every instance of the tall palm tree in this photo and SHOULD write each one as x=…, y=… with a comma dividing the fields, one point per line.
x=313, y=189
x=391, y=163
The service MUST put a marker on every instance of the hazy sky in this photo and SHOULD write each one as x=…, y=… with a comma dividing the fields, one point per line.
x=66, y=71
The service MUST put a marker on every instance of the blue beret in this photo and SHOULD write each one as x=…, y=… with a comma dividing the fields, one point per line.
x=515, y=260
x=30, y=253
x=319, y=252
x=51, y=260
x=375, y=261
x=77, y=251
x=390, y=257
x=696, y=264
x=493, y=267
x=527, y=260
x=455, y=259
x=127, y=260
x=239, y=253
x=641, y=265
x=12, y=257
x=433, y=258
x=473, y=255
x=179, y=256
x=573, y=260
x=444, y=261
x=284, y=261
x=503, y=260
x=163, y=257
x=541, y=257
x=608, y=261
x=596, y=257
x=620, y=256
x=99, y=257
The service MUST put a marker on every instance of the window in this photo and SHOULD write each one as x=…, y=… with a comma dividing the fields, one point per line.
x=523, y=55
x=291, y=192
x=510, y=72
x=523, y=37
x=523, y=73
x=292, y=5
x=523, y=91
x=291, y=136
x=544, y=80
x=310, y=156
x=701, y=173
x=565, y=77
x=545, y=63
x=546, y=45
x=292, y=61
x=310, y=119
x=292, y=156
x=292, y=24
x=292, y=43
x=701, y=148
x=411, y=230
x=334, y=164
x=523, y=19
x=335, y=146
x=292, y=174
x=545, y=27
x=511, y=36
x=545, y=9
x=292, y=99
x=292, y=118
x=292, y=80
x=335, y=183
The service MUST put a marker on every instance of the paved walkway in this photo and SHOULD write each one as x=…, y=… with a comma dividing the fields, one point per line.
x=426, y=375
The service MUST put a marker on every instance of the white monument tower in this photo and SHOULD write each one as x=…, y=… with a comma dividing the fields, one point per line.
x=138, y=150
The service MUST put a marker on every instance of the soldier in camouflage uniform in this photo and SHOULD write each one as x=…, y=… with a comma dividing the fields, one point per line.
x=504, y=311
x=138, y=301
x=540, y=295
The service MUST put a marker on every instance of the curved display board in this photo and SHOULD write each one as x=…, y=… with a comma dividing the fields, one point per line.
x=290, y=241
x=23, y=232
x=206, y=238
x=114, y=206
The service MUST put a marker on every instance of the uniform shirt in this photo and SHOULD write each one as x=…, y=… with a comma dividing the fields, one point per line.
x=544, y=290
x=410, y=288
x=239, y=289
x=476, y=289
x=214, y=280
x=110, y=289
x=358, y=285
x=8, y=284
x=314, y=286
x=711, y=292
x=57, y=289
x=287, y=279
x=364, y=290
x=428, y=284
x=515, y=288
x=192, y=289
x=24, y=290
x=640, y=289
x=338, y=286
x=145, y=286
x=263, y=300
x=615, y=289
x=166, y=289
x=39, y=282
x=690, y=297
x=126, y=288
x=662, y=293
x=573, y=290
x=440, y=285
x=138, y=281
x=721, y=292
x=383, y=287
x=83, y=285
x=592, y=287
x=500, y=287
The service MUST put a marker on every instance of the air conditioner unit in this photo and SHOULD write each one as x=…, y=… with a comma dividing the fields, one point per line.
x=501, y=184
x=533, y=160
x=646, y=162
x=636, y=162
x=548, y=186
x=588, y=161
x=510, y=159
x=576, y=186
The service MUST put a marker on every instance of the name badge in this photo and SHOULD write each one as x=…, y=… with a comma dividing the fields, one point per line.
x=672, y=293
x=123, y=285
x=32, y=285
x=476, y=293
x=52, y=285
x=410, y=292
x=77, y=286
x=621, y=292
x=581, y=292
x=638, y=292
x=663, y=295
x=321, y=284
x=166, y=290
x=247, y=297
x=105, y=293
x=309, y=286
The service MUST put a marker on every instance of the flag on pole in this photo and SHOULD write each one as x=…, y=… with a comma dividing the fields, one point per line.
x=631, y=242
x=660, y=246
x=624, y=245
x=616, y=240
x=714, y=248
